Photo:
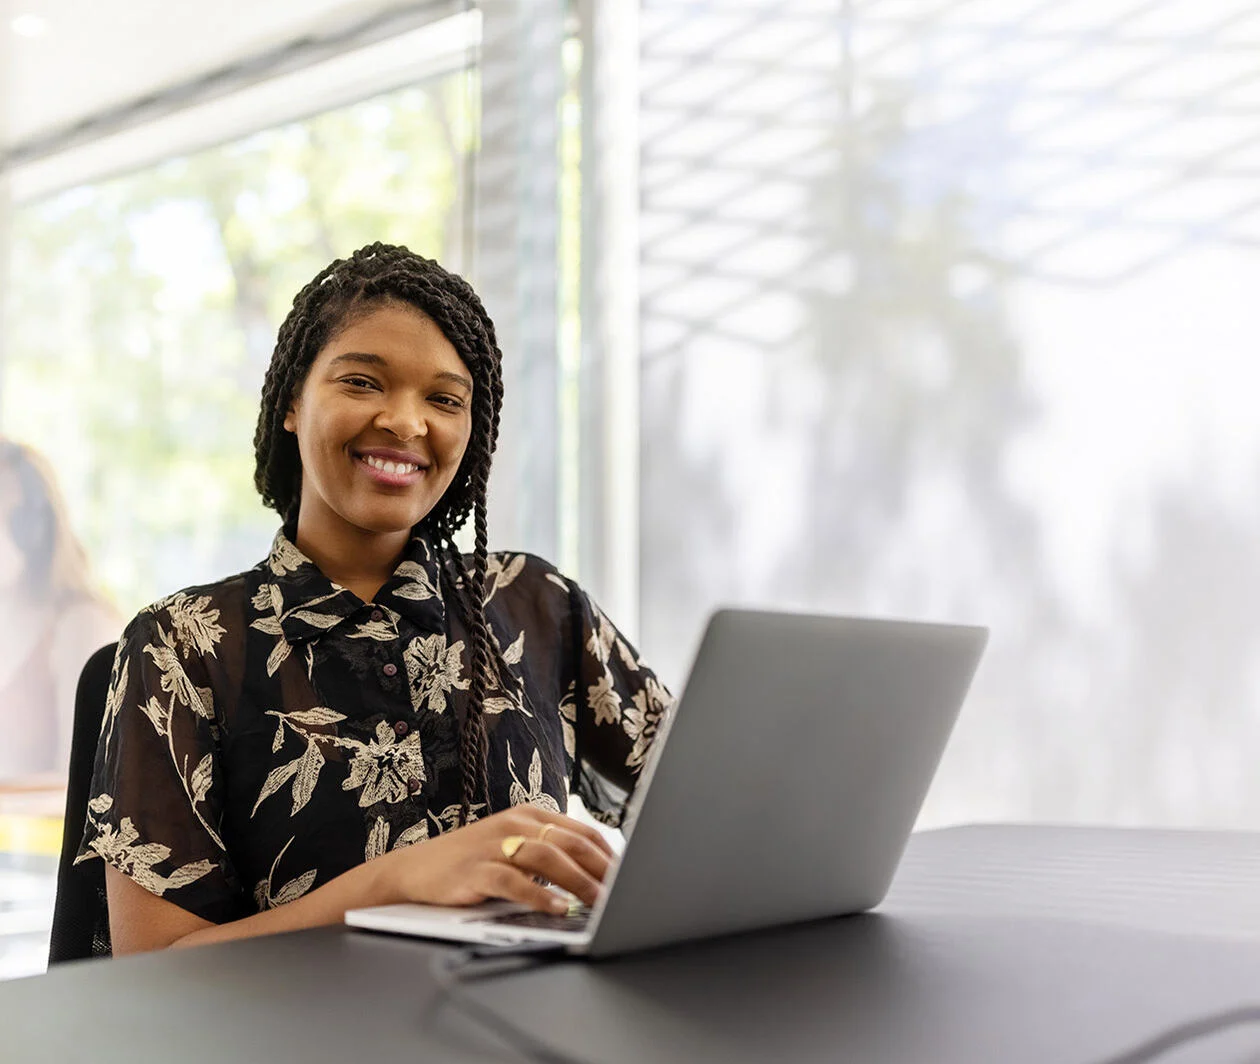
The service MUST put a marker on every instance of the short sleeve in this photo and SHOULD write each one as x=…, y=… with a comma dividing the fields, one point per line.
x=617, y=709
x=156, y=808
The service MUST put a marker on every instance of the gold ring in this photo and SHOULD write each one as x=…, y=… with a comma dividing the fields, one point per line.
x=545, y=828
x=511, y=844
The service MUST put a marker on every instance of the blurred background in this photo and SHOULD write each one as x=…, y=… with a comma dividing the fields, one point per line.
x=942, y=309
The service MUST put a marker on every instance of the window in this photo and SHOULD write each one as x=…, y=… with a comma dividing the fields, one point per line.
x=948, y=312
x=144, y=310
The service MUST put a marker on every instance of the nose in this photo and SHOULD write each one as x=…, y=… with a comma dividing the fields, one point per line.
x=403, y=418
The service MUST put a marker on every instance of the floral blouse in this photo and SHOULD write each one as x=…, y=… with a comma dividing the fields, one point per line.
x=266, y=733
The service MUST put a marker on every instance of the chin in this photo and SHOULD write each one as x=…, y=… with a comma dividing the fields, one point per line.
x=386, y=522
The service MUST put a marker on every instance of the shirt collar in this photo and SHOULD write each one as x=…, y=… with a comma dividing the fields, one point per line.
x=309, y=604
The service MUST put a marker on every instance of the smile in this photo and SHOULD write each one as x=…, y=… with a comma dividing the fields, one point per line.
x=390, y=467
x=391, y=472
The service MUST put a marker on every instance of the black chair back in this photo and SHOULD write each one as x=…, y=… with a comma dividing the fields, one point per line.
x=81, y=917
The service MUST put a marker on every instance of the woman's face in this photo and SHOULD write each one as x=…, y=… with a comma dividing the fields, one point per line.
x=382, y=421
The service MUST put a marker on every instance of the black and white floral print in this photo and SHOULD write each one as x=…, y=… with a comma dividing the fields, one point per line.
x=264, y=734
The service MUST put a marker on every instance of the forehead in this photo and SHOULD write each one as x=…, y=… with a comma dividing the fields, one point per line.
x=406, y=338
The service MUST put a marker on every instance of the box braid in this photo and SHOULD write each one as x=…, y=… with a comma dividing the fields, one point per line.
x=338, y=295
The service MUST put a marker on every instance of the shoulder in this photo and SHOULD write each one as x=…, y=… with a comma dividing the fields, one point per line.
x=525, y=591
x=227, y=595
x=526, y=572
x=518, y=579
x=196, y=619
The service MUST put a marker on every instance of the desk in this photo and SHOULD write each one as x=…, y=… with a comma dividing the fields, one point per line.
x=1020, y=944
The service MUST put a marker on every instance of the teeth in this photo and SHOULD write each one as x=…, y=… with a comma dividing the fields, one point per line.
x=390, y=467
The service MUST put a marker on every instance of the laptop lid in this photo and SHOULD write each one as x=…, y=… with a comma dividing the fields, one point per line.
x=796, y=764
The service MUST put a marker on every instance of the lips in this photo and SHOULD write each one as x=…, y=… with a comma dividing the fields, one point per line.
x=395, y=468
x=386, y=466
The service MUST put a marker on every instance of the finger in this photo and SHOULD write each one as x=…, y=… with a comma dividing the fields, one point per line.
x=541, y=817
x=592, y=835
x=550, y=862
x=498, y=880
x=593, y=860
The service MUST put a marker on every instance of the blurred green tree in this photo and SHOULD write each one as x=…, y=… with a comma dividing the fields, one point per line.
x=144, y=309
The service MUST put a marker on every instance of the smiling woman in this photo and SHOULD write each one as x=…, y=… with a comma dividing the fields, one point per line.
x=276, y=742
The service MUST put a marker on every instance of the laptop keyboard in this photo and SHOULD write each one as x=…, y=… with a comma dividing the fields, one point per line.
x=570, y=921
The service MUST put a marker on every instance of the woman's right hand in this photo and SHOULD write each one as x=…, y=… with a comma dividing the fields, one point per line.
x=470, y=865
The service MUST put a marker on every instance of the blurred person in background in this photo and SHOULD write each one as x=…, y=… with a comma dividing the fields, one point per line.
x=51, y=619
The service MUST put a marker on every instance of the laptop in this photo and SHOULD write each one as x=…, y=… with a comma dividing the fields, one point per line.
x=782, y=788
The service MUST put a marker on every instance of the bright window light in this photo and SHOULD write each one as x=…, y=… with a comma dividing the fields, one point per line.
x=29, y=25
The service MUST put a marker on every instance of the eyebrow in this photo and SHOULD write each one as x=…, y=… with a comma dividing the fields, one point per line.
x=368, y=359
x=357, y=356
x=456, y=378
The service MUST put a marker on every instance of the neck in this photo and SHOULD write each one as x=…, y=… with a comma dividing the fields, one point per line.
x=354, y=558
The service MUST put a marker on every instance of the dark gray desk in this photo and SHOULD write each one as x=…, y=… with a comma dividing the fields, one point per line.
x=997, y=944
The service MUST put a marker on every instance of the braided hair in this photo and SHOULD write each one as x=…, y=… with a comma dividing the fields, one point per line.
x=340, y=294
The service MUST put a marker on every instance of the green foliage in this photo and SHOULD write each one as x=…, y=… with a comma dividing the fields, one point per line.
x=143, y=311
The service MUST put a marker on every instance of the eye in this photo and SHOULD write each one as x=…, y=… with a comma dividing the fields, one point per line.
x=359, y=382
x=449, y=401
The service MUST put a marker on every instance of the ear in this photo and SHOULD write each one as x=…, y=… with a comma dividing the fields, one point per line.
x=290, y=418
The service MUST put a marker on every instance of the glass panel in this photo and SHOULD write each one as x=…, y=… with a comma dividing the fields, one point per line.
x=949, y=312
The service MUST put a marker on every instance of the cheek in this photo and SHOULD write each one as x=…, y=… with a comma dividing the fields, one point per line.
x=456, y=441
x=454, y=445
x=323, y=431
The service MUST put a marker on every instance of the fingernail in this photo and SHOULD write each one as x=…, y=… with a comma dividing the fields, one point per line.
x=559, y=905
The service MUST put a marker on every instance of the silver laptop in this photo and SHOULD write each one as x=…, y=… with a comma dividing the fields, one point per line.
x=783, y=787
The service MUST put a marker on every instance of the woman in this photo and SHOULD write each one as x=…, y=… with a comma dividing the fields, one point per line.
x=274, y=744
x=51, y=619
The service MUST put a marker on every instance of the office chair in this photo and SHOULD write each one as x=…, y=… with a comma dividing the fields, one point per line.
x=81, y=918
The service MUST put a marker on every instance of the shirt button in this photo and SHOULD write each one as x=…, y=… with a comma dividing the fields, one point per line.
x=377, y=615
x=390, y=668
x=413, y=785
x=400, y=728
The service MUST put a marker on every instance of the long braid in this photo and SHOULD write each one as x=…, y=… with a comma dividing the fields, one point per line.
x=377, y=274
x=277, y=471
